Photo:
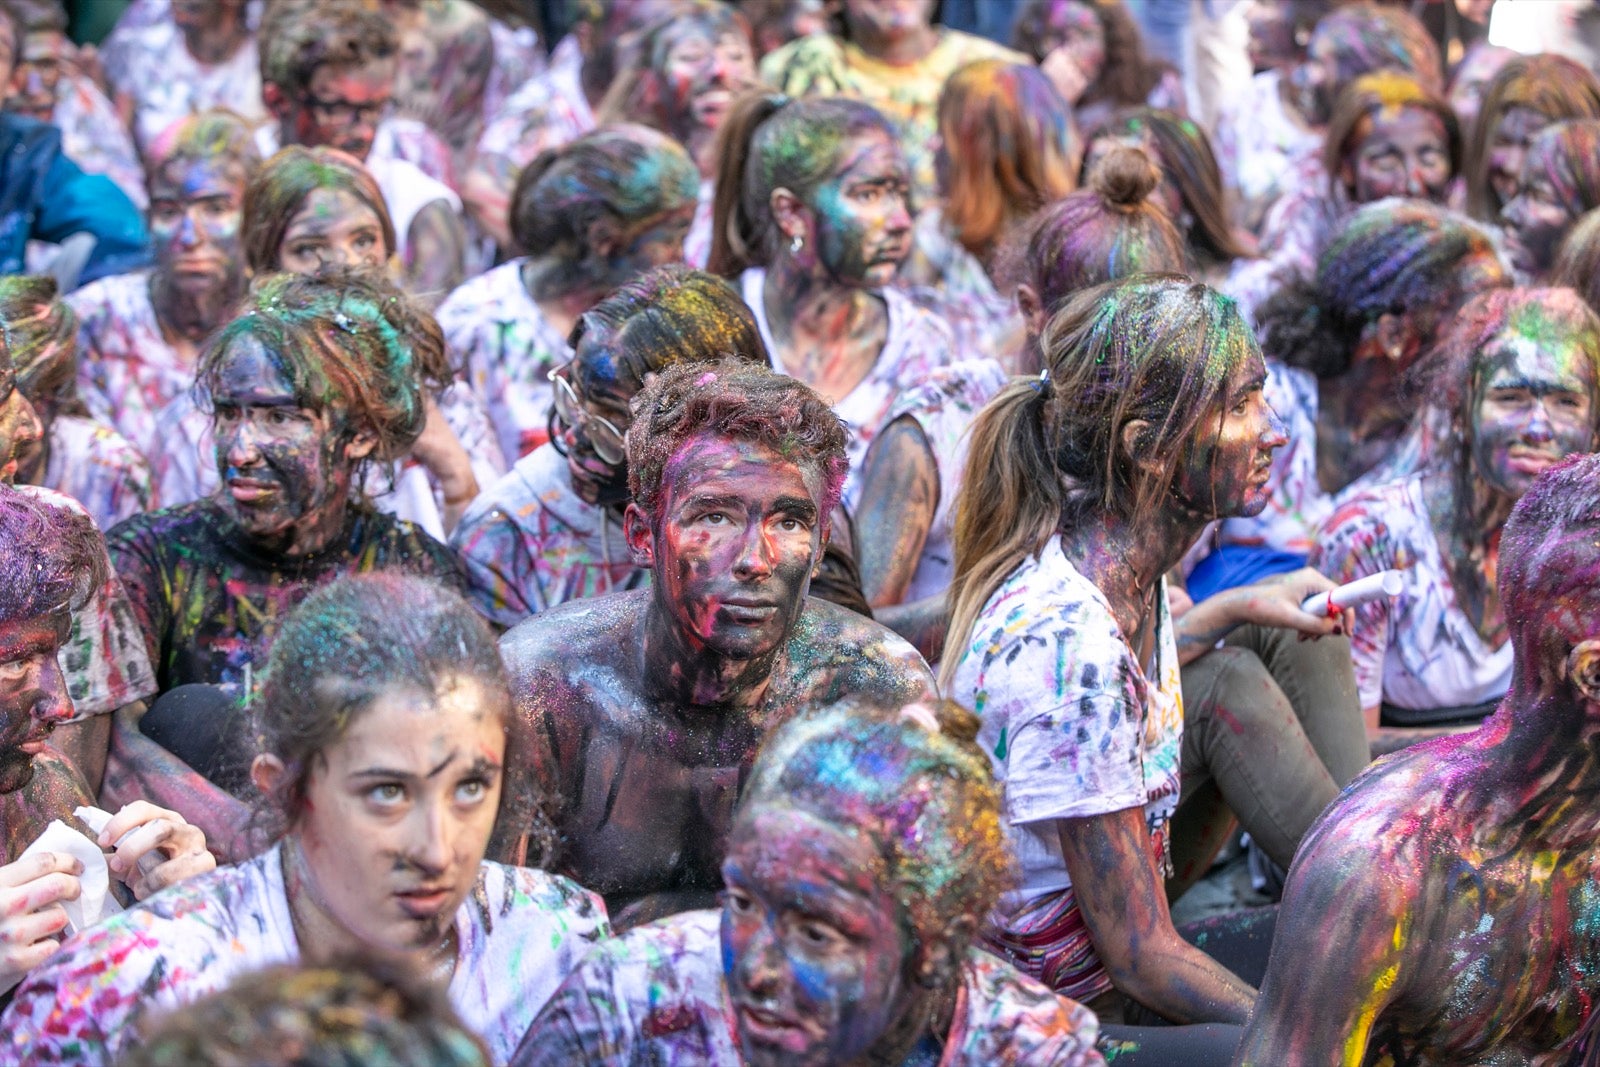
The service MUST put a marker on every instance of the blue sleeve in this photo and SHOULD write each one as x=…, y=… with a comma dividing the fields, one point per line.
x=91, y=203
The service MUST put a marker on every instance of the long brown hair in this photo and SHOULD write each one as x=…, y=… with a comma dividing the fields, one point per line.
x=280, y=188
x=1553, y=86
x=1047, y=455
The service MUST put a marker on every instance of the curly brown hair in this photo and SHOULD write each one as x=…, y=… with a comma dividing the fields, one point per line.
x=52, y=558
x=298, y=36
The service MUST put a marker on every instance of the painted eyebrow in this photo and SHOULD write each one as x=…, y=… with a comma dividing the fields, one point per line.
x=229, y=402
x=713, y=500
x=795, y=505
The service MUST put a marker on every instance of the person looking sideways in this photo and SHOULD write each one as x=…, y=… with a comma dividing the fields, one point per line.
x=1421, y=857
x=640, y=712
x=52, y=564
x=382, y=729
x=1471, y=78
x=44, y=196
x=552, y=530
x=1083, y=488
x=1528, y=94
x=814, y=222
x=1560, y=182
x=1093, y=53
x=865, y=854
x=140, y=333
x=327, y=76
x=1518, y=382
x=589, y=216
x=311, y=210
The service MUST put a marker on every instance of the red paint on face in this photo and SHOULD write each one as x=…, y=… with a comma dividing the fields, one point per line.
x=343, y=106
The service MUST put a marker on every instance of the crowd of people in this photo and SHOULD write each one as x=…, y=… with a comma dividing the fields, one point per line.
x=786, y=532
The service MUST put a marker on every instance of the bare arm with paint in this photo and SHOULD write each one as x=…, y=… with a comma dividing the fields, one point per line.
x=1272, y=602
x=1124, y=906
x=899, y=496
x=436, y=247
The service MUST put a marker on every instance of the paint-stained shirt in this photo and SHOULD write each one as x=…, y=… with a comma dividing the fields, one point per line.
x=507, y=349
x=1260, y=147
x=96, y=466
x=1074, y=725
x=519, y=932
x=154, y=67
x=1420, y=650
x=93, y=137
x=530, y=542
x=209, y=604
x=906, y=93
x=917, y=344
x=127, y=372
x=985, y=322
x=546, y=111
x=656, y=995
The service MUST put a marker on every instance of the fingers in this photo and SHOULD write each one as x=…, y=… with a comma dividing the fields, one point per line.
x=183, y=866
x=132, y=815
x=37, y=866
x=37, y=894
x=25, y=931
x=179, y=848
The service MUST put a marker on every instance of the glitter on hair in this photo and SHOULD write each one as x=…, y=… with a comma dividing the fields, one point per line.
x=280, y=188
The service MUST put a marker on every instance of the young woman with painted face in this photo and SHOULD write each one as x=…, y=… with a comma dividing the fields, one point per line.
x=1388, y=137
x=1560, y=182
x=1470, y=80
x=812, y=220
x=1190, y=191
x=1091, y=50
x=1083, y=487
x=1519, y=380
x=141, y=333
x=1528, y=94
x=551, y=530
x=588, y=216
x=76, y=454
x=316, y=210
x=1007, y=147
x=693, y=64
x=865, y=855
x=382, y=732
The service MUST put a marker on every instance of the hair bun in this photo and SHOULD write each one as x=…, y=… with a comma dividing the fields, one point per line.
x=1125, y=177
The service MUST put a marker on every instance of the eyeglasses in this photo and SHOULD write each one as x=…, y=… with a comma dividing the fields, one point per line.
x=608, y=442
x=345, y=113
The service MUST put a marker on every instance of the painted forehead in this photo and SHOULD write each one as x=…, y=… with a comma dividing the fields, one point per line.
x=687, y=466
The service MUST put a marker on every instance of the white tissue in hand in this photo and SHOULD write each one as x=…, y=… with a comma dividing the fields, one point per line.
x=95, y=901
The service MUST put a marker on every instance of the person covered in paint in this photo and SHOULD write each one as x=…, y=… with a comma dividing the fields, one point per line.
x=1560, y=182
x=1457, y=878
x=382, y=729
x=1519, y=383
x=641, y=712
x=78, y=454
x=1470, y=80
x=327, y=76
x=363, y=1009
x=1389, y=136
x=1094, y=54
x=1191, y=190
x=589, y=217
x=911, y=477
x=140, y=334
x=52, y=565
x=692, y=65
x=45, y=196
x=814, y=222
x=865, y=855
x=1340, y=348
x=1528, y=94
x=552, y=530
x=1083, y=488
x=1007, y=148
x=311, y=210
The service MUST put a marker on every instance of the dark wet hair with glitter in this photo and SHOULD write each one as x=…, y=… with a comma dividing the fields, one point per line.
x=350, y=1011
x=52, y=558
x=738, y=402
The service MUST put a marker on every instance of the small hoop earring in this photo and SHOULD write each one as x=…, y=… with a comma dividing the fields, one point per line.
x=797, y=242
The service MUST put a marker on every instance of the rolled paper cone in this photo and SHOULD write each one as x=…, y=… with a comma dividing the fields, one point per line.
x=1353, y=594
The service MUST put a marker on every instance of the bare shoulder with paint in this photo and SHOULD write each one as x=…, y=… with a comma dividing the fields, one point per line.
x=568, y=645
x=834, y=653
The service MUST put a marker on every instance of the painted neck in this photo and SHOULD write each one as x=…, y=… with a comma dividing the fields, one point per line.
x=192, y=314
x=213, y=44
x=562, y=312
x=1542, y=751
x=1126, y=559
x=810, y=311
x=900, y=48
x=679, y=670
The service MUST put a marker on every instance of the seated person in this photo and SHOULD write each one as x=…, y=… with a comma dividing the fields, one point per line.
x=1457, y=879
x=1520, y=385
x=551, y=530
x=641, y=711
x=51, y=564
x=45, y=197
x=588, y=217
x=863, y=858
x=78, y=455
x=382, y=738
x=362, y=1010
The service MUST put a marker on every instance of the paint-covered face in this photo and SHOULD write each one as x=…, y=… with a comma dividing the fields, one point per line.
x=703, y=73
x=652, y=242
x=600, y=413
x=195, y=213
x=20, y=427
x=38, y=71
x=33, y=693
x=1508, y=147
x=1537, y=218
x=1472, y=77
x=1227, y=470
x=1272, y=44
x=813, y=952
x=1074, y=26
x=1316, y=79
x=888, y=21
x=863, y=222
x=343, y=106
x=738, y=534
x=286, y=469
x=333, y=228
x=1405, y=152
x=398, y=812
x=1535, y=407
